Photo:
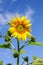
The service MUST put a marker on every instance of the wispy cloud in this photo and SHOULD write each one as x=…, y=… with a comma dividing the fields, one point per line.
x=29, y=13
x=4, y=18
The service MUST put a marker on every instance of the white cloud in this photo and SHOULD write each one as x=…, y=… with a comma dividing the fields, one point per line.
x=29, y=13
x=4, y=18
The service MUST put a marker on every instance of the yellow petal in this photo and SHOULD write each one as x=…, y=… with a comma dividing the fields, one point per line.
x=12, y=24
x=14, y=34
x=17, y=23
x=12, y=29
x=28, y=25
x=19, y=37
x=14, y=19
x=23, y=37
x=23, y=18
x=27, y=21
x=28, y=34
x=18, y=18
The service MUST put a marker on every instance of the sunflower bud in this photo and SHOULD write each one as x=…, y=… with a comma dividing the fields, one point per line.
x=16, y=55
x=9, y=64
x=33, y=39
x=25, y=59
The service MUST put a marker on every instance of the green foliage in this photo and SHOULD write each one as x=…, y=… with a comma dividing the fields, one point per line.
x=25, y=59
x=33, y=39
x=38, y=61
x=1, y=62
x=7, y=38
x=22, y=51
x=7, y=45
x=14, y=51
x=15, y=55
x=34, y=57
x=36, y=43
x=9, y=64
x=9, y=33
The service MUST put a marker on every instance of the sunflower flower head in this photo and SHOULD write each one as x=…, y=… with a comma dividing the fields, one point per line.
x=20, y=28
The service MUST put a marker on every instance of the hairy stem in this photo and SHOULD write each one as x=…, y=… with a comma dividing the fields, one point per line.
x=18, y=51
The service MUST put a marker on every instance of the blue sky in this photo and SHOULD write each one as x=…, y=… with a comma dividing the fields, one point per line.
x=33, y=9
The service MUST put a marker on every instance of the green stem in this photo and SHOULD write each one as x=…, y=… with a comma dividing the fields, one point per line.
x=23, y=46
x=18, y=51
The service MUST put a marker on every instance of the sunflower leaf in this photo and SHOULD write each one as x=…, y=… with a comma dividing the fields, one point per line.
x=22, y=51
x=14, y=51
x=34, y=57
x=7, y=38
x=36, y=43
x=38, y=61
x=5, y=45
x=1, y=62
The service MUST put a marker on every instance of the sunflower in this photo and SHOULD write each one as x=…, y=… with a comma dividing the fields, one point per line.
x=20, y=28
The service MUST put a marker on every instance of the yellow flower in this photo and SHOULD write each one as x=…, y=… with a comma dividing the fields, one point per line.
x=20, y=28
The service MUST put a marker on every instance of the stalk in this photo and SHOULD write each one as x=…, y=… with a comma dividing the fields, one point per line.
x=18, y=51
